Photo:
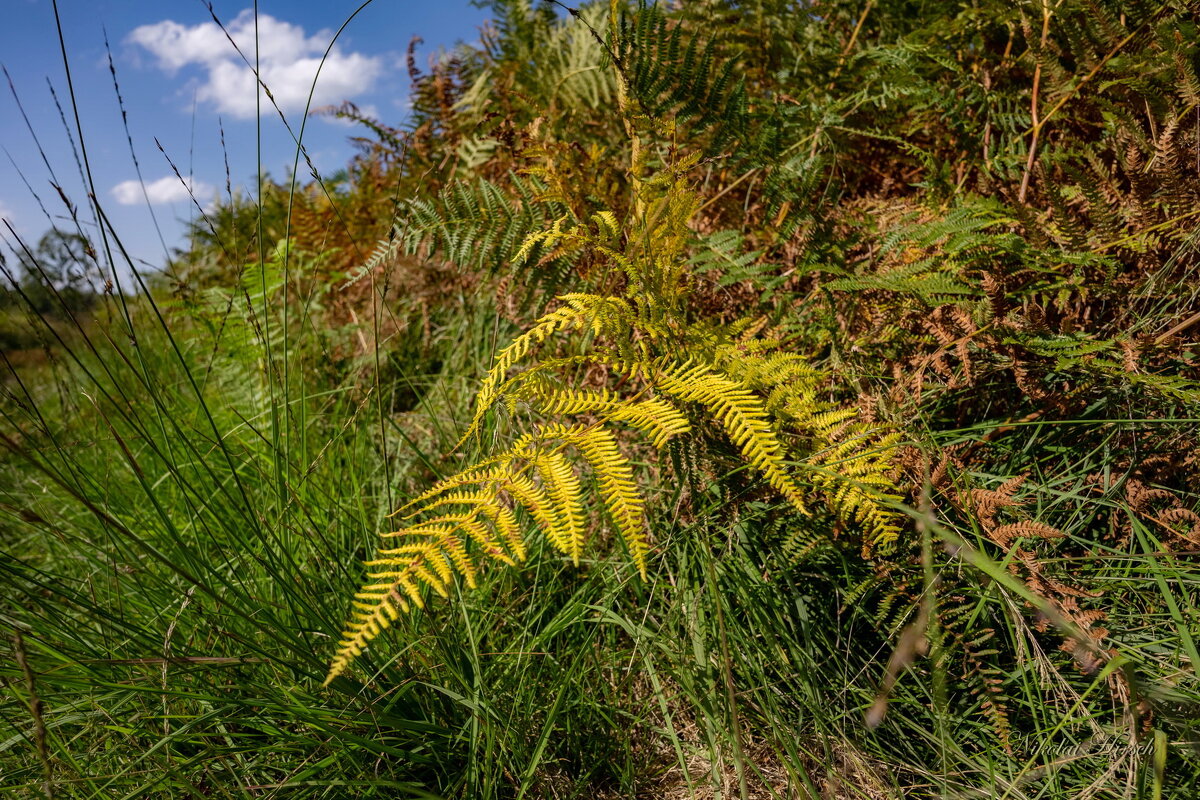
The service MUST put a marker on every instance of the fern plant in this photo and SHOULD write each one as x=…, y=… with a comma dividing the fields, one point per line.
x=653, y=368
x=476, y=225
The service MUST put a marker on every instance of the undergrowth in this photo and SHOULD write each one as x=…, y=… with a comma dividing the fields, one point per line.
x=827, y=382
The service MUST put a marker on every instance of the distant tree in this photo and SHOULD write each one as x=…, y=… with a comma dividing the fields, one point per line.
x=59, y=265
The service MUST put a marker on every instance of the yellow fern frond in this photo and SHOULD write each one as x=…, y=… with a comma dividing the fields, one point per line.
x=505, y=522
x=853, y=476
x=389, y=592
x=572, y=401
x=548, y=239
x=650, y=367
x=600, y=315
x=481, y=534
x=447, y=486
x=826, y=423
x=563, y=488
x=436, y=542
x=534, y=499
x=655, y=417
x=607, y=222
x=621, y=495
x=743, y=417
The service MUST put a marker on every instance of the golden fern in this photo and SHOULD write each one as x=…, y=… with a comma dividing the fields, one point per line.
x=650, y=369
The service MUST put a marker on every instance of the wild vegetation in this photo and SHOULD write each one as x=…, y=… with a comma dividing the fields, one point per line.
x=747, y=399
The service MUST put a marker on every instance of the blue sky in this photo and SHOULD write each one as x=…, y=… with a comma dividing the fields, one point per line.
x=181, y=80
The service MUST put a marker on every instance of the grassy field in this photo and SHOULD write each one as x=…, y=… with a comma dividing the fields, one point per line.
x=926, y=524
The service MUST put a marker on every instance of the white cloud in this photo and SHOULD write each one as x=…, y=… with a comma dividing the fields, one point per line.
x=5, y=213
x=288, y=62
x=168, y=189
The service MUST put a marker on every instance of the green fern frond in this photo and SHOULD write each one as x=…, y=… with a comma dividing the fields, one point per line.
x=676, y=74
x=474, y=224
